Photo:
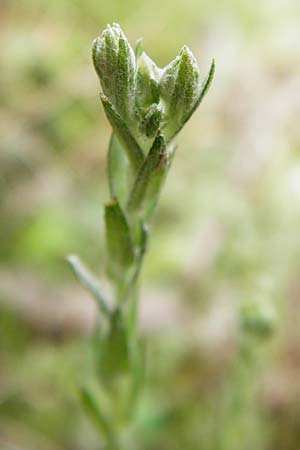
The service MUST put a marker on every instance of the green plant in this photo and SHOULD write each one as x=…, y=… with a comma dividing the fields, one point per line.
x=146, y=107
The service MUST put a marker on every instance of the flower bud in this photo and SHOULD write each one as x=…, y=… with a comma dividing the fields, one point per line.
x=147, y=89
x=114, y=63
x=151, y=121
x=179, y=87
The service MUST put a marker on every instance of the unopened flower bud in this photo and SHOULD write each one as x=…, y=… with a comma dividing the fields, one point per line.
x=114, y=63
x=151, y=121
x=147, y=77
x=179, y=87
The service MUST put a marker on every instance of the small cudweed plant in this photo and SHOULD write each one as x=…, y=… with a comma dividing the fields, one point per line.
x=146, y=107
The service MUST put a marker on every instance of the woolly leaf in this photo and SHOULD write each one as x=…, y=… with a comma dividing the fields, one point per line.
x=96, y=415
x=115, y=352
x=118, y=170
x=119, y=244
x=132, y=148
x=203, y=91
x=148, y=180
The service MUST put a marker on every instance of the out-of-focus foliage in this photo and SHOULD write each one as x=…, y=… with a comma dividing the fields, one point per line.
x=221, y=296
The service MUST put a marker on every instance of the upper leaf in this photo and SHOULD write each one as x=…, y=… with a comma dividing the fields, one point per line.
x=149, y=178
x=134, y=152
x=205, y=85
x=118, y=170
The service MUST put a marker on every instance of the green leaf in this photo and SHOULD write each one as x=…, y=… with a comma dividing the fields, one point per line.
x=204, y=88
x=118, y=170
x=133, y=150
x=93, y=411
x=138, y=367
x=119, y=244
x=89, y=281
x=148, y=181
x=203, y=91
x=114, y=359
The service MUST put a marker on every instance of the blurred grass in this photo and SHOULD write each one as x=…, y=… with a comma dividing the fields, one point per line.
x=226, y=232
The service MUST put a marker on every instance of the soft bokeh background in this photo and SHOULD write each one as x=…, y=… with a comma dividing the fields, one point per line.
x=221, y=288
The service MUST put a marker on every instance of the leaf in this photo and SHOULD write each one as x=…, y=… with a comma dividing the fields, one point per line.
x=119, y=244
x=89, y=281
x=133, y=150
x=204, y=88
x=118, y=170
x=114, y=359
x=203, y=91
x=138, y=367
x=93, y=411
x=148, y=181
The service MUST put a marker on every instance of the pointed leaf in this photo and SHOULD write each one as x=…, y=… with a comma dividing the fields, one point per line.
x=118, y=170
x=89, y=281
x=148, y=181
x=93, y=411
x=133, y=150
x=114, y=359
x=138, y=367
x=203, y=91
x=119, y=244
x=204, y=88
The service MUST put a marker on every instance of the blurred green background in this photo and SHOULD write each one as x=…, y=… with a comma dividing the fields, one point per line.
x=221, y=289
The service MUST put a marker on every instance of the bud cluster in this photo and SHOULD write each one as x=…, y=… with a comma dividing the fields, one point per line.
x=146, y=107
x=147, y=98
